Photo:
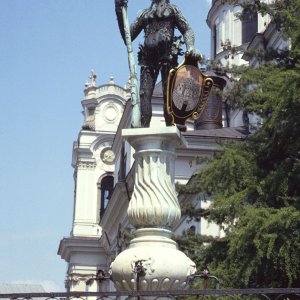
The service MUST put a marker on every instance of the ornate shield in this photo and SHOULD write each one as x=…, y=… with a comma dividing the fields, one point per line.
x=188, y=91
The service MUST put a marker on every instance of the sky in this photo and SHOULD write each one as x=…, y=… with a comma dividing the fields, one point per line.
x=47, y=50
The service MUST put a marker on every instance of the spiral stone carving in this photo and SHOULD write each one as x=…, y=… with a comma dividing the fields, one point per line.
x=154, y=201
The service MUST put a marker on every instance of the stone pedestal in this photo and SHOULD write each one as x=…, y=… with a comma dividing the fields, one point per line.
x=152, y=261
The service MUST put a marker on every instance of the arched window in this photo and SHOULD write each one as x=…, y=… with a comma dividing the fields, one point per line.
x=106, y=187
x=217, y=37
x=192, y=230
x=249, y=25
x=215, y=40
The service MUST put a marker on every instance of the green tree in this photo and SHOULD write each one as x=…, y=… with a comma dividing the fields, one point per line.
x=255, y=184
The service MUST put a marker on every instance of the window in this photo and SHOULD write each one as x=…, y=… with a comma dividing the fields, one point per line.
x=106, y=187
x=249, y=25
x=215, y=40
x=91, y=111
x=192, y=230
x=226, y=18
x=217, y=36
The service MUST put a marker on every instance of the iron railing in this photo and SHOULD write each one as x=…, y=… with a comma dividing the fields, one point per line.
x=218, y=294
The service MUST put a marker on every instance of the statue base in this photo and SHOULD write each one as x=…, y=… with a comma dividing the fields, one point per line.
x=152, y=262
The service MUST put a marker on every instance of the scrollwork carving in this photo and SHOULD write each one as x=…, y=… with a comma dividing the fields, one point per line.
x=76, y=278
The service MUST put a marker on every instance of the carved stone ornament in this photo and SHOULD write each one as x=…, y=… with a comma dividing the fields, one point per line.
x=188, y=91
x=146, y=261
x=110, y=113
x=89, y=123
x=76, y=278
x=165, y=267
x=84, y=165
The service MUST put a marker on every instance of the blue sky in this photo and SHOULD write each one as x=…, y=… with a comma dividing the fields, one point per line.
x=48, y=48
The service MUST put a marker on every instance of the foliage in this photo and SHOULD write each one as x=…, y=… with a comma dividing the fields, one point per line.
x=255, y=184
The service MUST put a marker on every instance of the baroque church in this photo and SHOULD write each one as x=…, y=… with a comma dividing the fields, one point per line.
x=103, y=161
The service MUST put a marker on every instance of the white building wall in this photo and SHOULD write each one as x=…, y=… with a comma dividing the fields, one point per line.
x=85, y=216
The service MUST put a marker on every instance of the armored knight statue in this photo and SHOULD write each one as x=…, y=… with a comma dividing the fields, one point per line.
x=160, y=50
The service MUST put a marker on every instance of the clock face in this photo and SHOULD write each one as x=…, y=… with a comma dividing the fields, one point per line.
x=107, y=156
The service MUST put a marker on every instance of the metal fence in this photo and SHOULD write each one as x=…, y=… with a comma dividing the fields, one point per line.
x=218, y=294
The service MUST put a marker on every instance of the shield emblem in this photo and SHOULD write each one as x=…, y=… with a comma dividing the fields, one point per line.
x=188, y=91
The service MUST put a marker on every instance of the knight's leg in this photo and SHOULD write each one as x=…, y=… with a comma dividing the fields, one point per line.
x=147, y=83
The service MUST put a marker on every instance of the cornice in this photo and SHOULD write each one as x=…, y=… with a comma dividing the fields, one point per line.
x=86, y=165
x=99, y=100
x=72, y=245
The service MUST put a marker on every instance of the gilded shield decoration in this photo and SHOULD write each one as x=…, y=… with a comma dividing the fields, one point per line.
x=188, y=91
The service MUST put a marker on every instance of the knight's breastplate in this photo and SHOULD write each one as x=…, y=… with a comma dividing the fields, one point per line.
x=159, y=34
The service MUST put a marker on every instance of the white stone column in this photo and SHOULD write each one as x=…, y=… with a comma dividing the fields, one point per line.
x=152, y=262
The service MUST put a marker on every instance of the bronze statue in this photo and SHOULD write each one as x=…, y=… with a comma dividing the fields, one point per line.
x=160, y=50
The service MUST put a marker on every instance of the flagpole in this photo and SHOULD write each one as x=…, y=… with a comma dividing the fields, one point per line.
x=135, y=95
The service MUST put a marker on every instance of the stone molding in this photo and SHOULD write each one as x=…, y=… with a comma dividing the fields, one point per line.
x=76, y=278
x=110, y=112
x=84, y=165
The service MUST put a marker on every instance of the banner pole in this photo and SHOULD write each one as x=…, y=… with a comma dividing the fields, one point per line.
x=135, y=95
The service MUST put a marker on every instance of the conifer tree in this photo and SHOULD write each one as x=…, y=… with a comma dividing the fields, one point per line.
x=255, y=184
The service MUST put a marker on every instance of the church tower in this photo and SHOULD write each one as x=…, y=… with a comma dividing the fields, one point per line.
x=93, y=163
x=228, y=29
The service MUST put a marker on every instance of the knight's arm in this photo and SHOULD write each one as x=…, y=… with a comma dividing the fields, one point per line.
x=188, y=34
x=185, y=29
x=135, y=28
